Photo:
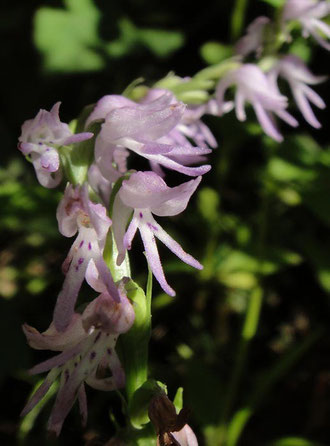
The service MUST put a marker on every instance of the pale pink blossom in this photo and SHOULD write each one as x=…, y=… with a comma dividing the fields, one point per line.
x=253, y=86
x=40, y=139
x=296, y=73
x=309, y=13
x=77, y=213
x=87, y=355
x=254, y=39
x=144, y=194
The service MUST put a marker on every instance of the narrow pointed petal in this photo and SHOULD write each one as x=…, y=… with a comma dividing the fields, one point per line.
x=171, y=164
x=131, y=231
x=305, y=108
x=174, y=246
x=313, y=97
x=106, y=278
x=79, y=137
x=267, y=123
x=82, y=400
x=56, y=361
x=41, y=391
x=286, y=117
x=66, y=300
x=239, y=106
x=121, y=214
x=154, y=262
x=69, y=390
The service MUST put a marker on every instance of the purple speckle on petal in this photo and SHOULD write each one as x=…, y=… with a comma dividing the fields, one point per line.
x=92, y=356
x=141, y=215
x=81, y=243
x=80, y=261
x=89, y=246
x=97, y=337
x=40, y=143
x=152, y=227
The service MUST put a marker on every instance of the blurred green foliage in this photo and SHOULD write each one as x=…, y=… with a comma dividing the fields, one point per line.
x=69, y=39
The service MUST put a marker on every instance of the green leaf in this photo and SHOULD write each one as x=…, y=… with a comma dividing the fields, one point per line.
x=208, y=204
x=178, y=400
x=215, y=52
x=302, y=49
x=161, y=42
x=283, y=170
x=68, y=38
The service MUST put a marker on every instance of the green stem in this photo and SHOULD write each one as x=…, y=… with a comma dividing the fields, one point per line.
x=237, y=19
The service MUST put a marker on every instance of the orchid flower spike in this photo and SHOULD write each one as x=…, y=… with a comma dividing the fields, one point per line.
x=254, y=39
x=252, y=85
x=299, y=77
x=309, y=13
x=76, y=213
x=40, y=139
x=144, y=129
x=146, y=193
x=87, y=355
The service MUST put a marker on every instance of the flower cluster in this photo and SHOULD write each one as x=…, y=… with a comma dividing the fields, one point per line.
x=257, y=83
x=168, y=135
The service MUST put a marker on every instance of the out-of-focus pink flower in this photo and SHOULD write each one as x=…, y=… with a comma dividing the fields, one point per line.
x=254, y=38
x=253, y=86
x=144, y=194
x=309, y=13
x=77, y=213
x=87, y=355
x=40, y=139
x=299, y=77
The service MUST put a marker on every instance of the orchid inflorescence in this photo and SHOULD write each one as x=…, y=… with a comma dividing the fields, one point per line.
x=106, y=201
